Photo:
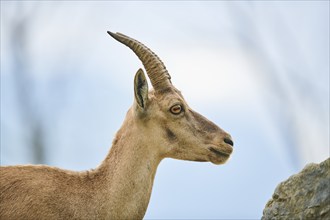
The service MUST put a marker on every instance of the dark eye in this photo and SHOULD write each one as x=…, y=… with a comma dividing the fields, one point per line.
x=176, y=109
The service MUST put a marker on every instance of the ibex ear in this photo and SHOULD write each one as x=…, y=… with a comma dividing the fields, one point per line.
x=141, y=88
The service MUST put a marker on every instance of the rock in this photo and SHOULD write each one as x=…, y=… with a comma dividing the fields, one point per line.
x=305, y=195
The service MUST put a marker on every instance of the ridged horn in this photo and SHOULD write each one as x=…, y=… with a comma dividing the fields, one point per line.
x=156, y=70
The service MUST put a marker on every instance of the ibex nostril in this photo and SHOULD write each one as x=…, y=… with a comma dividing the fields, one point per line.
x=228, y=141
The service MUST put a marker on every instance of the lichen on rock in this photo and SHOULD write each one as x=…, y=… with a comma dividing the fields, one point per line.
x=305, y=195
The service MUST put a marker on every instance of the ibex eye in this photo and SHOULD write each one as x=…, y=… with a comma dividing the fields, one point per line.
x=176, y=109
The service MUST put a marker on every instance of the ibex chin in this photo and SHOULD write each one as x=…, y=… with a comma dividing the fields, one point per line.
x=159, y=125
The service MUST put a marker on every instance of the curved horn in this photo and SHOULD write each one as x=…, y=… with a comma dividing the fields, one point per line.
x=156, y=70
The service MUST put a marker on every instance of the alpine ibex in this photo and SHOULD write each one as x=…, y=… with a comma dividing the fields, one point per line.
x=159, y=125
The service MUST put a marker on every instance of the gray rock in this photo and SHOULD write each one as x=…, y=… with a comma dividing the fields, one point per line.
x=305, y=195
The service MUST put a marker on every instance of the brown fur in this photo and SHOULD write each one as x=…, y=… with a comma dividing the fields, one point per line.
x=120, y=187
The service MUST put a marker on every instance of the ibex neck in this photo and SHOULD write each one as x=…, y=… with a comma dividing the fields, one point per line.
x=129, y=172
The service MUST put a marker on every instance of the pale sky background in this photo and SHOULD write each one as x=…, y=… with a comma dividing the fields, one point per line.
x=258, y=69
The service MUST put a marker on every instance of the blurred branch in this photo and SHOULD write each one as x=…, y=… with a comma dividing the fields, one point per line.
x=24, y=83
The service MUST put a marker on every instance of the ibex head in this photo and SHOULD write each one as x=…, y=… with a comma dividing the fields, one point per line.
x=174, y=128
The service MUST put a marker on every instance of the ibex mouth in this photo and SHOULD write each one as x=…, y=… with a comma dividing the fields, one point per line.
x=219, y=153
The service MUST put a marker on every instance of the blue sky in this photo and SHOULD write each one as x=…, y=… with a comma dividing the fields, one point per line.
x=260, y=70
